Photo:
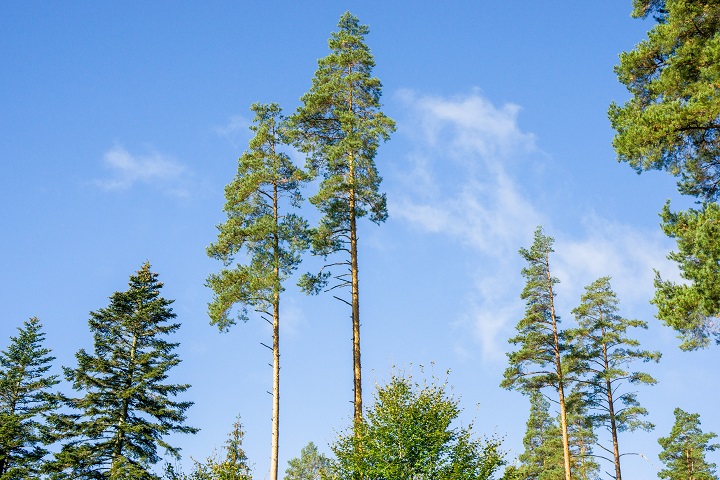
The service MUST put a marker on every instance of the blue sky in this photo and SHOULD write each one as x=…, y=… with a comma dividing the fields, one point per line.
x=121, y=124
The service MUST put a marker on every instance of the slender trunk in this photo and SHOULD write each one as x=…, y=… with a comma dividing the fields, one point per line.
x=357, y=374
x=275, y=442
x=611, y=413
x=558, y=368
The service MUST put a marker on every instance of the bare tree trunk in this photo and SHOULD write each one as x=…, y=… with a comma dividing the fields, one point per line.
x=611, y=412
x=275, y=441
x=355, y=299
x=558, y=367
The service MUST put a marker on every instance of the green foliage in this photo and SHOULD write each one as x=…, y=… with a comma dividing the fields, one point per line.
x=233, y=467
x=409, y=433
x=25, y=401
x=543, y=458
x=256, y=225
x=339, y=126
x=311, y=465
x=542, y=359
x=693, y=309
x=672, y=121
x=607, y=353
x=126, y=407
x=684, y=450
x=543, y=455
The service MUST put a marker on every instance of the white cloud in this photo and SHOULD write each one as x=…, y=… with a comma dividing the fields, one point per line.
x=128, y=170
x=235, y=129
x=471, y=179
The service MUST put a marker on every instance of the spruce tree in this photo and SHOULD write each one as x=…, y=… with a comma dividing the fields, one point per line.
x=684, y=450
x=25, y=401
x=543, y=359
x=339, y=126
x=272, y=239
x=608, y=352
x=543, y=457
x=126, y=406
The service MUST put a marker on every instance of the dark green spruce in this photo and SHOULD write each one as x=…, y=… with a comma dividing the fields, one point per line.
x=125, y=406
x=339, y=126
x=261, y=229
x=25, y=401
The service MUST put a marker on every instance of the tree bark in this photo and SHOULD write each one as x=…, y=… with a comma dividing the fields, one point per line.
x=558, y=368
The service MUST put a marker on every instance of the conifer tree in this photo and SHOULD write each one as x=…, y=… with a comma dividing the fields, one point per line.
x=311, y=465
x=692, y=308
x=126, y=406
x=272, y=238
x=672, y=123
x=339, y=126
x=234, y=466
x=543, y=457
x=25, y=401
x=608, y=352
x=543, y=359
x=684, y=450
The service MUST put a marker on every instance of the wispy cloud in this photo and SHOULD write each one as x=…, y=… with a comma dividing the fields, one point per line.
x=127, y=170
x=235, y=130
x=472, y=178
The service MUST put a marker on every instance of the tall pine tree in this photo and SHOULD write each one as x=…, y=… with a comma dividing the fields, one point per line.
x=339, y=126
x=542, y=360
x=273, y=239
x=126, y=407
x=672, y=123
x=608, y=352
x=684, y=450
x=25, y=401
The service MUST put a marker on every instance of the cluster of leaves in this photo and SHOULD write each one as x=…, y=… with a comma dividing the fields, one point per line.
x=411, y=432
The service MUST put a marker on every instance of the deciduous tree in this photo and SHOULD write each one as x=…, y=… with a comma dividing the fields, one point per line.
x=260, y=225
x=25, y=401
x=409, y=433
x=126, y=407
x=339, y=126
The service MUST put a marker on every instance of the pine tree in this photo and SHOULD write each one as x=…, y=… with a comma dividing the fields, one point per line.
x=126, y=406
x=672, y=123
x=339, y=126
x=684, y=450
x=311, y=465
x=608, y=352
x=543, y=359
x=692, y=308
x=25, y=401
x=272, y=239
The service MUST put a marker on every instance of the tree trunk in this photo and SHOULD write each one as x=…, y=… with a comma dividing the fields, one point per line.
x=558, y=368
x=275, y=442
x=357, y=373
x=611, y=412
